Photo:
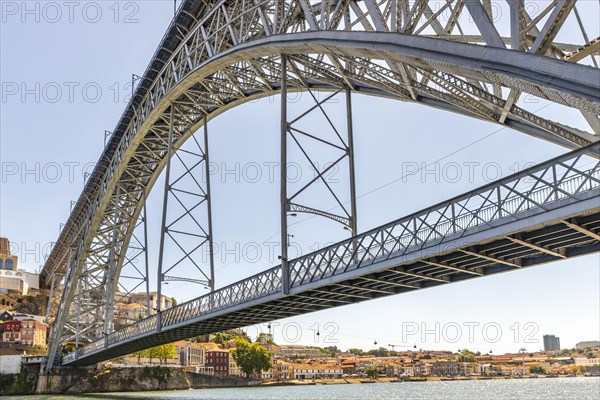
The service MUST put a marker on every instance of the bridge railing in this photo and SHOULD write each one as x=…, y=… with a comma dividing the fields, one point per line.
x=538, y=188
x=143, y=326
x=252, y=288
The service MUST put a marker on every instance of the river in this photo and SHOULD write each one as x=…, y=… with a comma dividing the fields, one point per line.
x=522, y=389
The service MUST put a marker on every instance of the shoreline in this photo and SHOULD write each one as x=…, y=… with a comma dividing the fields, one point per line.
x=358, y=381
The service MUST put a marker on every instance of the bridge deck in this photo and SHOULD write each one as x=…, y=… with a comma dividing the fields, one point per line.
x=546, y=213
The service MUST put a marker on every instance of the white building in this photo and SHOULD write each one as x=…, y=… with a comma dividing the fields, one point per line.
x=10, y=361
x=12, y=279
x=18, y=282
x=307, y=371
x=190, y=354
x=234, y=369
x=142, y=299
x=586, y=361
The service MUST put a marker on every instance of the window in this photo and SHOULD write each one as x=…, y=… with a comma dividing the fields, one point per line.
x=8, y=264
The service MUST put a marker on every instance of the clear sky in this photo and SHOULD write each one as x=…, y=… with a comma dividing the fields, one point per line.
x=65, y=80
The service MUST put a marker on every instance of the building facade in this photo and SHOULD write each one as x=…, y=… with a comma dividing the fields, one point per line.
x=33, y=333
x=190, y=354
x=12, y=332
x=127, y=313
x=297, y=351
x=142, y=299
x=219, y=360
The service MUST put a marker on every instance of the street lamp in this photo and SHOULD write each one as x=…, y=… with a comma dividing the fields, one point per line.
x=522, y=351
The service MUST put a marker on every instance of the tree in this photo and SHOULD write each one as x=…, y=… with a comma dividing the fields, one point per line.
x=380, y=352
x=225, y=336
x=151, y=353
x=174, y=301
x=251, y=357
x=537, y=370
x=372, y=372
x=357, y=352
x=264, y=338
x=165, y=352
x=466, y=356
x=139, y=355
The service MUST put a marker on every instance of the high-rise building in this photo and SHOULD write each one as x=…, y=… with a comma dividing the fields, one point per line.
x=551, y=342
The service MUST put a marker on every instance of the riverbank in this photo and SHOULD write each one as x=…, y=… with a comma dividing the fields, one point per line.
x=356, y=381
x=113, y=379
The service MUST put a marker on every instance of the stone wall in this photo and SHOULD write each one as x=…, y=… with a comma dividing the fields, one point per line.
x=131, y=379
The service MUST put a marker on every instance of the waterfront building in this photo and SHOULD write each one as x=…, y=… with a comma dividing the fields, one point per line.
x=281, y=370
x=190, y=354
x=307, y=371
x=452, y=368
x=234, y=369
x=205, y=370
x=219, y=360
x=551, y=342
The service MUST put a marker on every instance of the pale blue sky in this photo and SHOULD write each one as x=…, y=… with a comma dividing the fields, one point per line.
x=58, y=134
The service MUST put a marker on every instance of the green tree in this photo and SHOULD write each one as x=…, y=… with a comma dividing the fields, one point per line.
x=466, y=356
x=164, y=352
x=251, y=357
x=151, y=353
x=357, y=352
x=372, y=372
x=380, y=352
x=139, y=355
x=225, y=336
x=537, y=370
x=174, y=301
x=264, y=338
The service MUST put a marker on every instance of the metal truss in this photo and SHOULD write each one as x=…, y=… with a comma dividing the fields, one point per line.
x=451, y=55
x=189, y=227
x=343, y=148
x=485, y=231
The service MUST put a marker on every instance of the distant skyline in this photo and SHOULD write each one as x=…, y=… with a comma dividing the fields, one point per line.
x=72, y=81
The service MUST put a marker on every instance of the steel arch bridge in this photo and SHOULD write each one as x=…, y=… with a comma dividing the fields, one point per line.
x=471, y=57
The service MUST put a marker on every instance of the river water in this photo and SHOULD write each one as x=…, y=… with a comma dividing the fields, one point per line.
x=522, y=389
